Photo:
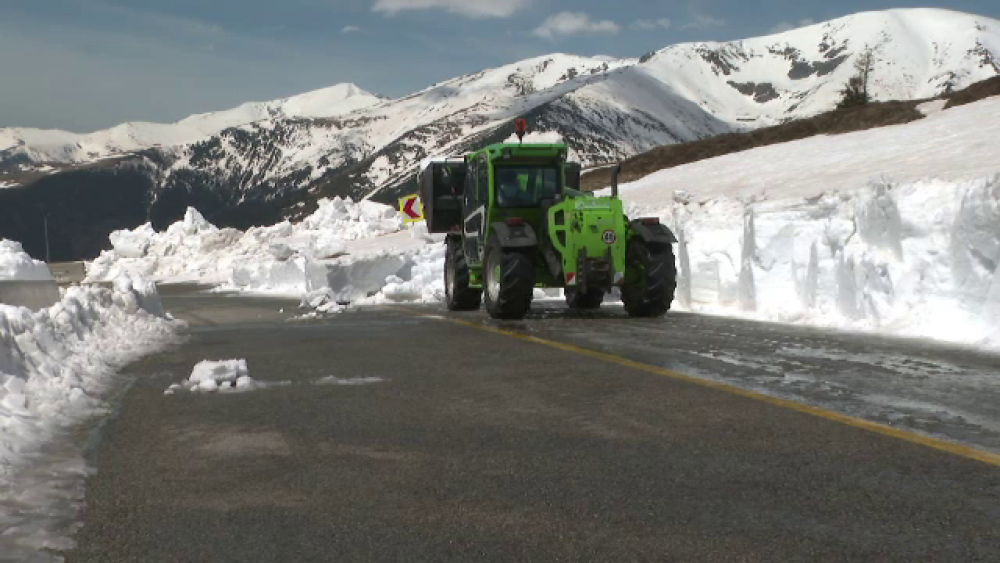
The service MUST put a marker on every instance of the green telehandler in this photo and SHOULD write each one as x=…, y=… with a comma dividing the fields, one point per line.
x=515, y=220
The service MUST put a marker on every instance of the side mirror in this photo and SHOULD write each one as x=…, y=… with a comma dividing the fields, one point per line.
x=614, y=180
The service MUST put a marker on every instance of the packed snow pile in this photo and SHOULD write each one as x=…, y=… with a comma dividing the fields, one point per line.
x=224, y=376
x=283, y=259
x=16, y=265
x=421, y=278
x=56, y=367
x=895, y=230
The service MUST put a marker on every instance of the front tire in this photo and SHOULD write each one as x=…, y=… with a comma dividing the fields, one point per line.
x=653, y=273
x=458, y=295
x=509, y=279
x=577, y=299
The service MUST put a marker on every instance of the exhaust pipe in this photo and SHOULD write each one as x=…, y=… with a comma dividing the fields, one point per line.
x=614, y=180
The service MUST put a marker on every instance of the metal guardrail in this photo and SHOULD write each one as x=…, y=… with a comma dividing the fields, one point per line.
x=68, y=272
x=31, y=294
x=41, y=294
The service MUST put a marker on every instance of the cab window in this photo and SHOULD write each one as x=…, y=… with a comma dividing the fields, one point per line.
x=525, y=186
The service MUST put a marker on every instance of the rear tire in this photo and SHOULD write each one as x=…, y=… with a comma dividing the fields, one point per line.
x=577, y=299
x=509, y=280
x=653, y=292
x=458, y=295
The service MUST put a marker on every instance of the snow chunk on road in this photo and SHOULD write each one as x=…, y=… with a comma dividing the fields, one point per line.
x=224, y=376
x=16, y=265
x=210, y=376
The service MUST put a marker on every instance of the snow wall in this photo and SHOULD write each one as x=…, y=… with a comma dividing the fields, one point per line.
x=917, y=259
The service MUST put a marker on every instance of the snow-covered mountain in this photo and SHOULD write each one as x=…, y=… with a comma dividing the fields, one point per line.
x=62, y=147
x=918, y=53
x=284, y=154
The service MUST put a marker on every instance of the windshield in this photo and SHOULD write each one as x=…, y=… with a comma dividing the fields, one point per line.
x=525, y=185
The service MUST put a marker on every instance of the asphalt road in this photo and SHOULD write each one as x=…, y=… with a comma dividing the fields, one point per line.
x=479, y=446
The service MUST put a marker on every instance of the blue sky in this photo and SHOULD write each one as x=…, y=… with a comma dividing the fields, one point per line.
x=82, y=65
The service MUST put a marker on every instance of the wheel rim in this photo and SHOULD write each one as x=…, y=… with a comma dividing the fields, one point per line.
x=493, y=283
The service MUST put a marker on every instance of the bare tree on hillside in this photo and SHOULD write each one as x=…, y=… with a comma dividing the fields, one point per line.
x=856, y=91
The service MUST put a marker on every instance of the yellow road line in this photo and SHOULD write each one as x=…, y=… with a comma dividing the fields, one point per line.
x=912, y=437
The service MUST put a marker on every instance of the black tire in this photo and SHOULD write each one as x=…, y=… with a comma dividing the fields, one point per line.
x=458, y=295
x=577, y=299
x=653, y=292
x=508, y=296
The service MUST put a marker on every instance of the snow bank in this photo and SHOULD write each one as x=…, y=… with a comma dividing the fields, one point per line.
x=276, y=259
x=419, y=280
x=224, y=376
x=915, y=259
x=345, y=252
x=904, y=239
x=16, y=265
x=56, y=367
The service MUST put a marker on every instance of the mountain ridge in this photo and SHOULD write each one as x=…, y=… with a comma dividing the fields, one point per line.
x=56, y=145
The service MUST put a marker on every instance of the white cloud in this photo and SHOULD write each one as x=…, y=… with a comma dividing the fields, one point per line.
x=702, y=21
x=468, y=8
x=662, y=23
x=350, y=29
x=565, y=24
x=788, y=26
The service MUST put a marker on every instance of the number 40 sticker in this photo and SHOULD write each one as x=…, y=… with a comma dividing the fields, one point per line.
x=609, y=236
